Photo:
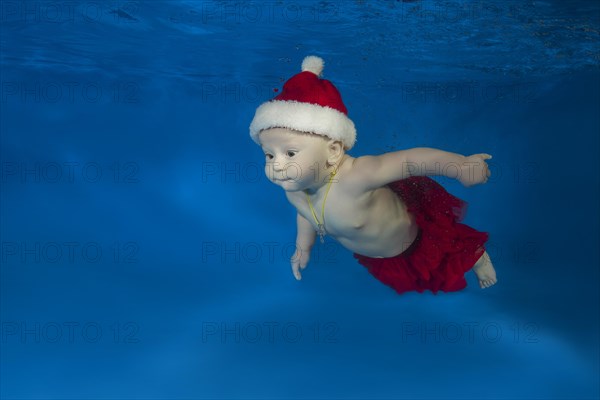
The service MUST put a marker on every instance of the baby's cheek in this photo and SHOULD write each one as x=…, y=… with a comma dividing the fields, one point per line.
x=269, y=171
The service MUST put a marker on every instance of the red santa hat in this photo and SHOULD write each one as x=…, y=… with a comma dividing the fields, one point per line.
x=307, y=104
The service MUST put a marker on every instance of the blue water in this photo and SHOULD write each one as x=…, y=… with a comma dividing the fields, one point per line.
x=146, y=255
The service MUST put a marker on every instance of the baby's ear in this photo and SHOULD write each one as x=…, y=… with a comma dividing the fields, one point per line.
x=336, y=150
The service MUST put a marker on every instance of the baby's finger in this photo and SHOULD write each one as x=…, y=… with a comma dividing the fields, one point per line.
x=295, y=271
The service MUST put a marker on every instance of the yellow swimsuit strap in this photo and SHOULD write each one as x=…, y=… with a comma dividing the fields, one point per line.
x=324, y=200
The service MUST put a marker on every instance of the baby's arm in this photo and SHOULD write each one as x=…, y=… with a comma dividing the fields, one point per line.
x=424, y=161
x=376, y=171
x=469, y=170
x=304, y=243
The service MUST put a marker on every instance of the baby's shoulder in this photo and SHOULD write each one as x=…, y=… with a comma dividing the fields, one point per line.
x=352, y=175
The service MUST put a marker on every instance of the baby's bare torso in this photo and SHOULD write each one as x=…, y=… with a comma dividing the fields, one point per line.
x=373, y=223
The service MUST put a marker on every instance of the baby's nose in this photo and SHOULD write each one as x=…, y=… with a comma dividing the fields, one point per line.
x=278, y=166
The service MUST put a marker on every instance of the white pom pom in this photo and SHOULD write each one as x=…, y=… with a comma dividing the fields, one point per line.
x=313, y=64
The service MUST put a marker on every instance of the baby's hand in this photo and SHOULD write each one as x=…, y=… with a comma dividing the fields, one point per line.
x=299, y=261
x=474, y=170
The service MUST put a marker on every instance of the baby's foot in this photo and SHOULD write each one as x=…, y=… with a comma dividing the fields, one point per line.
x=485, y=271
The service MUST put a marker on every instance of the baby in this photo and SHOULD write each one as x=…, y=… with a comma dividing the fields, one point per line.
x=400, y=224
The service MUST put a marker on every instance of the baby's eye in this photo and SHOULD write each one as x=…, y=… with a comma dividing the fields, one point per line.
x=268, y=156
x=291, y=153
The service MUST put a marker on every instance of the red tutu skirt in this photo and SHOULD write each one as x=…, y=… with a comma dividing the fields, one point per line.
x=444, y=249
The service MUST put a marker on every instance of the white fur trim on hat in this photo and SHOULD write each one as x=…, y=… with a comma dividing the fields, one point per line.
x=304, y=117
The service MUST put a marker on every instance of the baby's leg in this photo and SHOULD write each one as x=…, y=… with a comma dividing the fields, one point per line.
x=485, y=271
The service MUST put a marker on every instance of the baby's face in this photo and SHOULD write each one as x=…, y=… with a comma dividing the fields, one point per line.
x=294, y=160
